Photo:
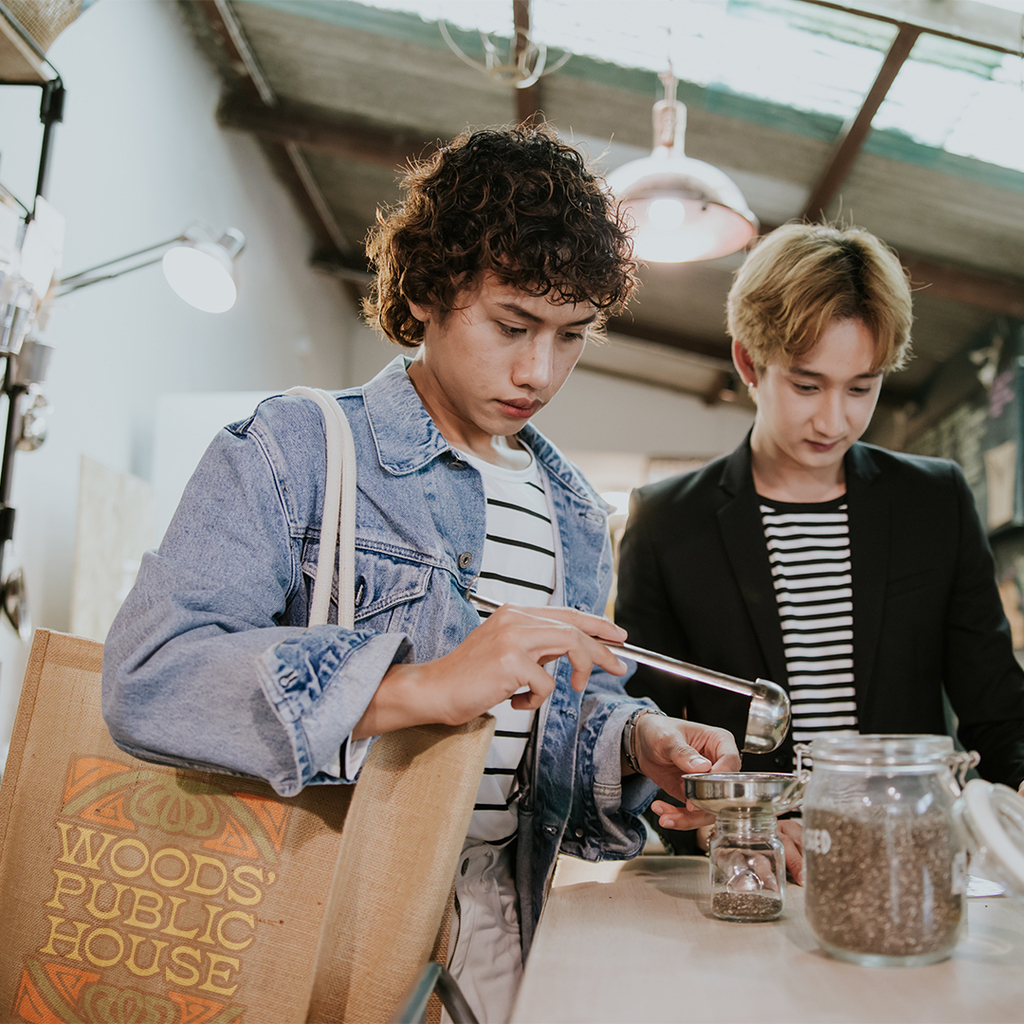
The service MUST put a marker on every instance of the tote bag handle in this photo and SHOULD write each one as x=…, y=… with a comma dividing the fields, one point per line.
x=338, y=520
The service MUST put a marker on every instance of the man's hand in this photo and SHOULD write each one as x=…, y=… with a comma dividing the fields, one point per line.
x=791, y=832
x=506, y=654
x=668, y=748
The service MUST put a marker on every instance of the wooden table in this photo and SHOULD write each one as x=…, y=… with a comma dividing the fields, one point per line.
x=636, y=942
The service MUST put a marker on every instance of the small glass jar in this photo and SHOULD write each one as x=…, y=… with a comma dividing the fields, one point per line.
x=747, y=866
x=885, y=860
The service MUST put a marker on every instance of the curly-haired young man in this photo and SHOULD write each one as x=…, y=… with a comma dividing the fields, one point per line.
x=504, y=255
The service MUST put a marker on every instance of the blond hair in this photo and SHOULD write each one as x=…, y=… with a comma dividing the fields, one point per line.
x=801, y=277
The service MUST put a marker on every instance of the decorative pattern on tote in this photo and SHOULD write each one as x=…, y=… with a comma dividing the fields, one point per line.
x=155, y=877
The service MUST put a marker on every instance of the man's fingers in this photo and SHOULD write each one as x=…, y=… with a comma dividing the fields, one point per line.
x=693, y=763
x=544, y=639
x=728, y=763
x=592, y=625
x=584, y=659
x=680, y=818
x=791, y=833
x=794, y=863
x=687, y=759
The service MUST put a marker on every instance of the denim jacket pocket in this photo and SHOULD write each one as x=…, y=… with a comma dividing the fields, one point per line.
x=385, y=584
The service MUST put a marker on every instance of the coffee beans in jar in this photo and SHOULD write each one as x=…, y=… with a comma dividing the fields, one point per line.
x=885, y=863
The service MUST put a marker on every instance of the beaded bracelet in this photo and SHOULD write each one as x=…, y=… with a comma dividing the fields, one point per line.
x=629, y=736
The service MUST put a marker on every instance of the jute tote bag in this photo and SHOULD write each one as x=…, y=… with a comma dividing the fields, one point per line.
x=133, y=893
x=130, y=892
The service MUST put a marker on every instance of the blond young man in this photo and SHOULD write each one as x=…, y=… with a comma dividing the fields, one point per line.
x=858, y=578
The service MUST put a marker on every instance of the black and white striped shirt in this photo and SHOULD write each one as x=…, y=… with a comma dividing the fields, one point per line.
x=809, y=552
x=517, y=567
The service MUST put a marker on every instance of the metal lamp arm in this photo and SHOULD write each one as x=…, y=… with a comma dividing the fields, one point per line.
x=89, y=276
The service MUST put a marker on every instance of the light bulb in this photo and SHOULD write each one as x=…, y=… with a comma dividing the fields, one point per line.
x=666, y=214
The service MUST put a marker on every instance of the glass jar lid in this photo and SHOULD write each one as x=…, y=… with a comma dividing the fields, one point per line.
x=890, y=749
x=993, y=816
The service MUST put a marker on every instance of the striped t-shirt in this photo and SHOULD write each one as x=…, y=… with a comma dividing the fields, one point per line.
x=809, y=552
x=517, y=567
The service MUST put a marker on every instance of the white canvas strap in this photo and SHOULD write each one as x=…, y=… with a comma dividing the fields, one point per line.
x=338, y=520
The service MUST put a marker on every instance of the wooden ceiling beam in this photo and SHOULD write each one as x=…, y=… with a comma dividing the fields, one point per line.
x=996, y=293
x=347, y=138
x=718, y=351
x=284, y=155
x=528, y=109
x=855, y=132
x=528, y=99
x=227, y=32
x=1001, y=32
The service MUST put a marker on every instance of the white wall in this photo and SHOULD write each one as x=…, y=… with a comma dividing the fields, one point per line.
x=594, y=412
x=139, y=157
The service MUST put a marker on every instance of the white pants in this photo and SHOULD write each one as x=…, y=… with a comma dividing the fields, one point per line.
x=485, y=950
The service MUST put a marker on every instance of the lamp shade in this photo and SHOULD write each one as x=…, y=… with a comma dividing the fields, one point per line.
x=202, y=272
x=683, y=209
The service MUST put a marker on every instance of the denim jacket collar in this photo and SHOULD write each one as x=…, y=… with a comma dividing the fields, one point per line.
x=407, y=439
x=405, y=436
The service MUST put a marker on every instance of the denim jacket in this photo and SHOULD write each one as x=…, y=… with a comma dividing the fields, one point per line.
x=210, y=665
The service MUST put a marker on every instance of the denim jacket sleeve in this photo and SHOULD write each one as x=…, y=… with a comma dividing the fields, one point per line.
x=583, y=797
x=209, y=664
x=612, y=806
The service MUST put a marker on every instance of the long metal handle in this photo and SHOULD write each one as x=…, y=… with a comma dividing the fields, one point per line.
x=769, y=715
x=677, y=668
x=687, y=671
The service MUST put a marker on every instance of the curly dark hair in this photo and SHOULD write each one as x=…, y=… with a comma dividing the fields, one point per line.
x=515, y=201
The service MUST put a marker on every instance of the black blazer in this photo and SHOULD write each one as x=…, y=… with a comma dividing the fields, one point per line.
x=695, y=583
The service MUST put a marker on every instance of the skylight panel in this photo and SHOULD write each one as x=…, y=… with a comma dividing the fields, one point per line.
x=743, y=47
x=949, y=95
x=976, y=113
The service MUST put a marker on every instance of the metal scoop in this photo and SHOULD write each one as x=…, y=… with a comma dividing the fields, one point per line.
x=769, y=714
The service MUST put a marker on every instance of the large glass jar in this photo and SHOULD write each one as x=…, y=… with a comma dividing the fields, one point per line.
x=885, y=861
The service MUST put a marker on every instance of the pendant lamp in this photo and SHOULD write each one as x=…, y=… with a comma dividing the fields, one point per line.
x=683, y=209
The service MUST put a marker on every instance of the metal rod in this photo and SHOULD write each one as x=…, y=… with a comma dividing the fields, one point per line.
x=71, y=279
x=661, y=661
x=51, y=112
x=413, y=1009
x=70, y=285
x=14, y=393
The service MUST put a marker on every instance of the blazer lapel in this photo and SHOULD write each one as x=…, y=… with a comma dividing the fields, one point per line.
x=869, y=514
x=739, y=520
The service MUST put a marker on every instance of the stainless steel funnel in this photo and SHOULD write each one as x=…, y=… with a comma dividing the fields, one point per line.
x=742, y=792
x=769, y=714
